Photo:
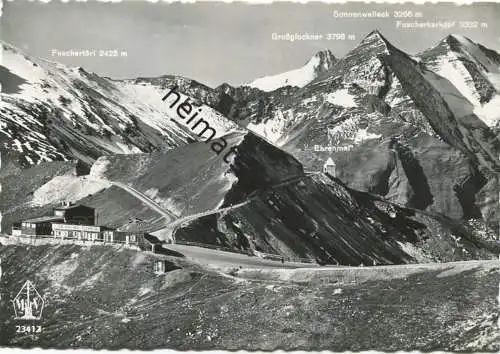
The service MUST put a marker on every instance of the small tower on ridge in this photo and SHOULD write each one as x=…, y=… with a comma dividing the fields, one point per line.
x=329, y=167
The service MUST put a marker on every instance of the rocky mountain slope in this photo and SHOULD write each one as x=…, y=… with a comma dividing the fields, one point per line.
x=193, y=178
x=416, y=182
x=107, y=298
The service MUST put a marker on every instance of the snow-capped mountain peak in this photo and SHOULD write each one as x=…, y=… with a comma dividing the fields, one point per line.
x=473, y=69
x=318, y=64
x=488, y=59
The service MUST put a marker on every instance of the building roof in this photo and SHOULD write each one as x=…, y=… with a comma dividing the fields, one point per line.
x=44, y=219
x=134, y=228
x=80, y=226
x=152, y=239
x=329, y=162
x=135, y=225
x=72, y=206
x=106, y=228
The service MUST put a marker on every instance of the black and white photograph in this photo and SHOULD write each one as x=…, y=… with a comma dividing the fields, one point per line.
x=250, y=176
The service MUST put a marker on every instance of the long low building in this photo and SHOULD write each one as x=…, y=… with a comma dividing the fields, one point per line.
x=67, y=213
x=127, y=237
x=76, y=222
x=78, y=232
x=102, y=234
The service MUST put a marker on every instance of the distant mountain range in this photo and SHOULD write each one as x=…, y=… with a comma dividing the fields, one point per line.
x=418, y=180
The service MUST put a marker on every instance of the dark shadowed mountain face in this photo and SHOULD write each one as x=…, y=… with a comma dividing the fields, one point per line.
x=10, y=82
x=415, y=151
x=320, y=219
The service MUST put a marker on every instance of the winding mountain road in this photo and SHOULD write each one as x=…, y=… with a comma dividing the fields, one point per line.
x=174, y=221
x=223, y=259
x=169, y=231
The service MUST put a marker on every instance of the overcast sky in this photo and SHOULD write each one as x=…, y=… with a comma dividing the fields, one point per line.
x=216, y=42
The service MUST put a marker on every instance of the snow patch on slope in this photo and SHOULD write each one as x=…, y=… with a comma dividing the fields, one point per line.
x=298, y=77
x=473, y=50
x=100, y=112
x=461, y=95
x=48, y=82
x=272, y=129
x=364, y=134
x=67, y=188
x=99, y=168
x=350, y=131
x=128, y=149
x=157, y=113
x=450, y=68
x=489, y=112
x=341, y=98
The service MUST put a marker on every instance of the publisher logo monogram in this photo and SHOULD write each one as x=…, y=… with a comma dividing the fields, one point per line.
x=28, y=304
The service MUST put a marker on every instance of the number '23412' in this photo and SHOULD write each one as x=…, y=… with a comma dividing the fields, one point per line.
x=28, y=329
